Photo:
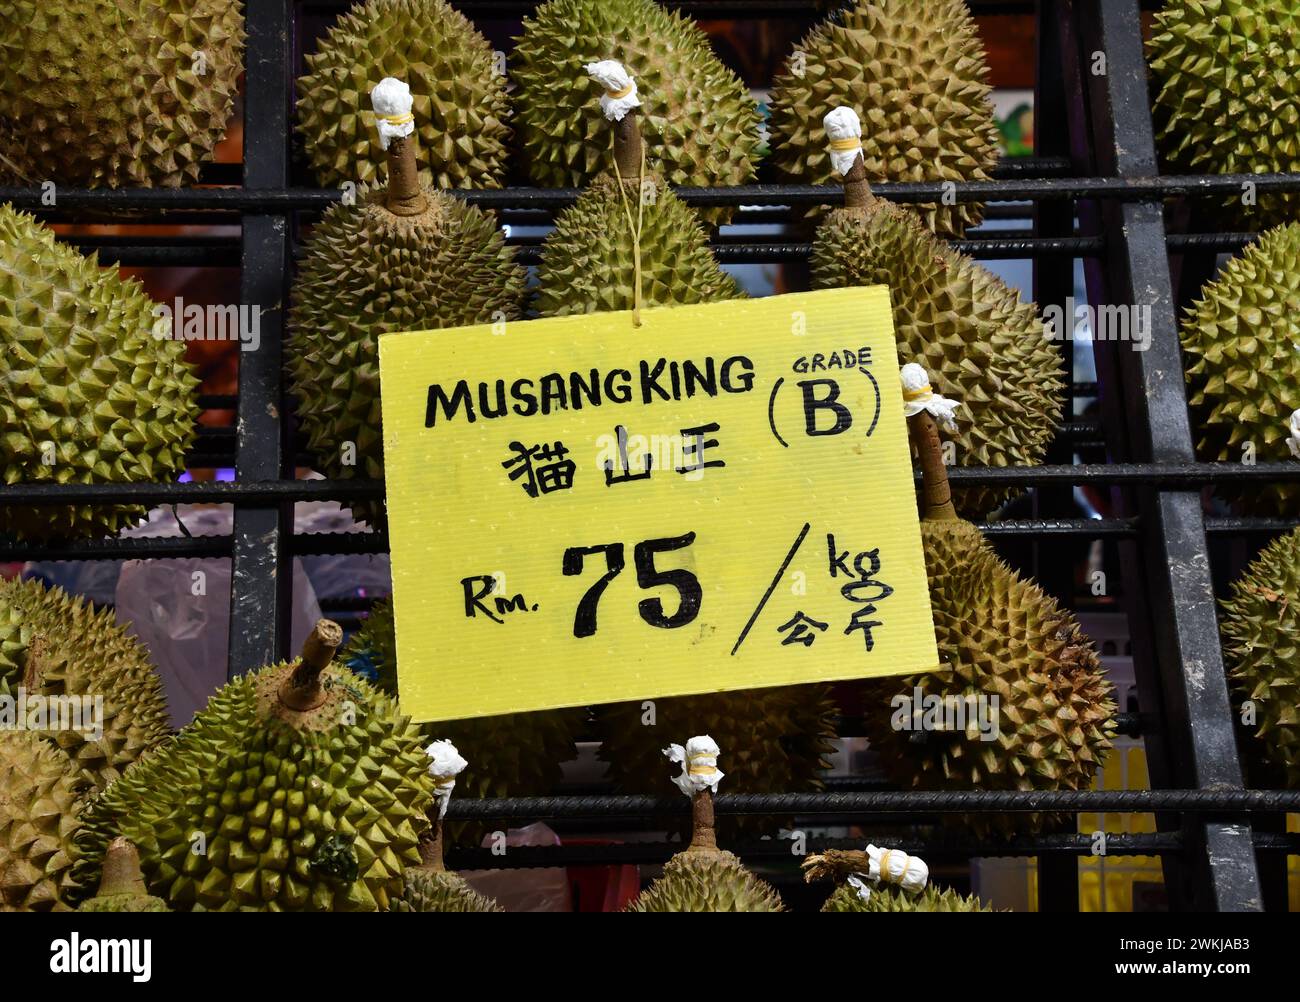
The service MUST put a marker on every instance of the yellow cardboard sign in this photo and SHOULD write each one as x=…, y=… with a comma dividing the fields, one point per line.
x=582, y=511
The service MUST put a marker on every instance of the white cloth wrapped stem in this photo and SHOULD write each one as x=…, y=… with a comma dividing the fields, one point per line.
x=919, y=396
x=699, y=762
x=890, y=866
x=392, y=102
x=1293, y=443
x=844, y=138
x=620, y=95
x=445, y=764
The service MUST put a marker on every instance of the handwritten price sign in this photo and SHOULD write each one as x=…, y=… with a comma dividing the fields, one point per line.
x=582, y=511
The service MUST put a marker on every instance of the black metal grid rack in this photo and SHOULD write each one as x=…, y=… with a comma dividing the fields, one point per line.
x=1096, y=195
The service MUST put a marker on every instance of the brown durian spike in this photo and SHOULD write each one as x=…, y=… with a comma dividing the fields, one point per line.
x=835, y=864
x=936, y=494
x=121, y=873
x=302, y=690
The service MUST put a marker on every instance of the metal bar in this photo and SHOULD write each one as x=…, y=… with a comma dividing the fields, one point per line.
x=890, y=802
x=1199, y=718
x=274, y=200
x=260, y=573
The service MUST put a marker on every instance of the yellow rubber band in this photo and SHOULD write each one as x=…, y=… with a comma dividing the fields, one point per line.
x=884, y=867
x=924, y=391
x=840, y=145
x=618, y=95
x=399, y=119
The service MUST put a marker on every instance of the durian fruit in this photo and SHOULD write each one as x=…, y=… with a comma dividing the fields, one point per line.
x=298, y=788
x=121, y=888
x=430, y=887
x=702, y=877
x=882, y=880
x=403, y=258
x=782, y=736
x=700, y=124
x=88, y=393
x=60, y=647
x=918, y=71
x=1261, y=645
x=847, y=899
x=1243, y=370
x=461, y=104
x=589, y=261
x=1227, y=94
x=973, y=332
x=40, y=798
x=519, y=754
x=1001, y=639
x=128, y=93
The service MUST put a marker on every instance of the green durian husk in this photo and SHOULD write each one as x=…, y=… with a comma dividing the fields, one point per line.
x=980, y=343
x=700, y=125
x=319, y=810
x=588, y=264
x=1261, y=646
x=515, y=754
x=367, y=272
x=931, y=899
x=917, y=73
x=781, y=737
x=134, y=93
x=1226, y=81
x=57, y=645
x=88, y=393
x=441, y=891
x=40, y=799
x=707, y=882
x=1243, y=370
x=1001, y=635
x=459, y=92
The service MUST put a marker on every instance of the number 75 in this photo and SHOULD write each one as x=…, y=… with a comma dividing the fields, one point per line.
x=652, y=609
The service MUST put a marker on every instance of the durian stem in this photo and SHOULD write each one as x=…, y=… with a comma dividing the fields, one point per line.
x=835, y=864
x=121, y=873
x=431, y=848
x=936, y=495
x=857, y=192
x=704, y=837
x=404, y=196
x=629, y=147
x=302, y=689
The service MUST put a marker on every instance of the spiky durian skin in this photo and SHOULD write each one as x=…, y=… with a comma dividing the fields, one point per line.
x=588, y=264
x=88, y=394
x=40, y=798
x=367, y=272
x=459, y=96
x=124, y=903
x=916, y=74
x=57, y=645
x=1243, y=370
x=264, y=792
x=931, y=899
x=440, y=891
x=699, y=123
x=776, y=740
x=515, y=754
x=707, y=882
x=116, y=93
x=1227, y=94
x=979, y=342
x=1261, y=645
x=1002, y=637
